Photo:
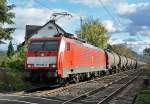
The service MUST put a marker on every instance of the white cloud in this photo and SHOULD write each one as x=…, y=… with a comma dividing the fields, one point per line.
x=115, y=41
x=123, y=8
x=138, y=46
x=90, y=3
x=32, y=16
x=36, y=16
x=145, y=32
x=139, y=16
x=109, y=26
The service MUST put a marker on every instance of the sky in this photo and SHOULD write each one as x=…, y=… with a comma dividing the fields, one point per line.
x=127, y=21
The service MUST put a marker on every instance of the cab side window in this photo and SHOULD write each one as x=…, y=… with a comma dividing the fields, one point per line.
x=68, y=46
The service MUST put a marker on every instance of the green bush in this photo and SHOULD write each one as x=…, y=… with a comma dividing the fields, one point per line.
x=17, y=80
x=11, y=80
x=12, y=77
x=16, y=61
x=2, y=87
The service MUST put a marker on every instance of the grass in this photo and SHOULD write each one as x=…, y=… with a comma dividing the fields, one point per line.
x=143, y=97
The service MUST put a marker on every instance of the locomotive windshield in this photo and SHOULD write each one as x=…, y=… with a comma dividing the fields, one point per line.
x=44, y=45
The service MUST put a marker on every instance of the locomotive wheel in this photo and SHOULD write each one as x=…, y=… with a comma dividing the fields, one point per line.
x=61, y=81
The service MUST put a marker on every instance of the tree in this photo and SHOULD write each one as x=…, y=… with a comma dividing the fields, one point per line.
x=6, y=17
x=94, y=32
x=10, y=51
x=146, y=51
x=121, y=50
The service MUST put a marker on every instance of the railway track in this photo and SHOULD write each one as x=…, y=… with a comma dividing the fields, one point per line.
x=101, y=92
x=106, y=79
x=46, y=91
x=114, y=93
x=111, y=94
x=128, y=94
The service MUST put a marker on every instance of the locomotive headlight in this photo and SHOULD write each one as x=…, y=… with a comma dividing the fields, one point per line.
x=53, y=66
x=29, y=66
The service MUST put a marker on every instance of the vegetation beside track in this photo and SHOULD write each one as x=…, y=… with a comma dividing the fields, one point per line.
x=15, y=61
x=143, y=97
x=12, y=80
x=146, y=51
x=94, y=32
x=148, y=65
x=11, y=71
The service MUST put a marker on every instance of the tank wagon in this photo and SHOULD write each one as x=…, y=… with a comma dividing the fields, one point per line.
x=113, y=61
x=64, y=59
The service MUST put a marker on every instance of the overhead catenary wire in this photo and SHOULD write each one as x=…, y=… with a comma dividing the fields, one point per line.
x=115, y=18
x=109, y=13
x=40, y=4
x=114, y=9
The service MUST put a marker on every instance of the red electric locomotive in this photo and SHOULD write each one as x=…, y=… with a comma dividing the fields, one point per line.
x=62, y=58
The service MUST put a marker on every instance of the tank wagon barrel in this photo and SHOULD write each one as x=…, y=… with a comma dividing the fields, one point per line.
x=117, y=59
x=117, y=62
x=128, y=62
x=123, y=61
x=113, y=61
x=110, y=60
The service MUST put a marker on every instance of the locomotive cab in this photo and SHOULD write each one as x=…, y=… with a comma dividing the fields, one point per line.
x=41, y=62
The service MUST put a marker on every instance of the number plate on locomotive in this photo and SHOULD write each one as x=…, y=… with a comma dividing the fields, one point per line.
x=41, y=65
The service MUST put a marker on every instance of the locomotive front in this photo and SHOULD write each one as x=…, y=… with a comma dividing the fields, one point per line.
x=41, y=60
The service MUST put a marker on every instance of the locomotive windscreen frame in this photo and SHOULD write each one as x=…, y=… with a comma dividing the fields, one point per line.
x=44, y=45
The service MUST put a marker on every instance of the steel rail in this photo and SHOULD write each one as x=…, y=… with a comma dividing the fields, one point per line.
x=109, y=97
x=59, y=88
x=98, y=89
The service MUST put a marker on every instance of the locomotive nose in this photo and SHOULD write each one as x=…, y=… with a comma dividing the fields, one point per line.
x=42, y=60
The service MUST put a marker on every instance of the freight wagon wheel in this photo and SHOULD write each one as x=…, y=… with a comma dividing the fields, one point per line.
x=115, y=71
x=110, y=71
x=76, y=79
